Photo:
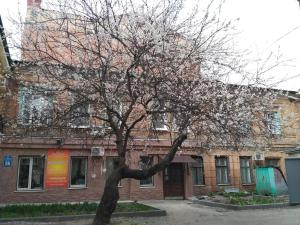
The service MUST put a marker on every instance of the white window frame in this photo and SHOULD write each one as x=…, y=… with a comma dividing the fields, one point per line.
x=29, y=91
x=30, y=174
x=85, y=174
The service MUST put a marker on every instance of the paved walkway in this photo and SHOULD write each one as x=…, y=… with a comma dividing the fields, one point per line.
x=184, y=213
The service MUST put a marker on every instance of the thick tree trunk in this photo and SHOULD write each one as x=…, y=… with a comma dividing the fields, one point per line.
x=108, y=201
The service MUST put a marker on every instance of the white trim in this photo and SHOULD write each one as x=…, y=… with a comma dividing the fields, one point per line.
x=147, y=186
x=28, y=189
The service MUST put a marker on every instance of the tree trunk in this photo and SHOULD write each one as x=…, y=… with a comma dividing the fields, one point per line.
x=108, y=201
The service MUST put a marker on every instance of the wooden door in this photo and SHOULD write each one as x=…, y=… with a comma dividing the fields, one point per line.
x=174, y=181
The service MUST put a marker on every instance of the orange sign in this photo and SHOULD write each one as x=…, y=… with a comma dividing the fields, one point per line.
x=57, y=168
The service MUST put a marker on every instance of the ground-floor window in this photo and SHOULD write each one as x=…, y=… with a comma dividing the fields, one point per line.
x=112, y=163
x=30, y=173
x=222, y=170
x=198, y=171
x=246, y=170
x=78, y=171
x=145, y=163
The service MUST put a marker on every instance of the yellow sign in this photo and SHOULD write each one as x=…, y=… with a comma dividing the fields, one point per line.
x=57, y=168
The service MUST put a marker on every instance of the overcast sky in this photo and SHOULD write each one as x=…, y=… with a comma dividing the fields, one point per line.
x=265, y=26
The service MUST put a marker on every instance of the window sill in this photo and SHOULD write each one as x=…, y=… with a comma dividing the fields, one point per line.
x=223, y=184
x=248, y=184
x=79, y=127
x=199, y=185
x=77, y=188
x=29, y=191
x=147, y=186
x=160, y=129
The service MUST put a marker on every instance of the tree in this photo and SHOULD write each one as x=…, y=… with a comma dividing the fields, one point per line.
x=136, y=65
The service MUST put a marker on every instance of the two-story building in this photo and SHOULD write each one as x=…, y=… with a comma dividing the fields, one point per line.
x=46, y=166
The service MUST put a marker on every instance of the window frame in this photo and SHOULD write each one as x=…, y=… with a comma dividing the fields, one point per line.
x=30, y=173
x=31, y=91
x=106, y=174
x=85, y=174
x=274, y=124
x=89, y=112
x=220, y=167
x=152, y=177
x=198, y=165
x=249, y=169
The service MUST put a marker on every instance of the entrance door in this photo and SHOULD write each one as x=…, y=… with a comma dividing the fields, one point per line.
x=173, y=181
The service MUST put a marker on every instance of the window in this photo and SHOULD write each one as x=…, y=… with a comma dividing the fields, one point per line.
x=222, y=170
x=35, y=106
x=246, y=170
x=198, y=171
x=273, y=123
x=158, y=121
x=78, y=171
x=272, y=162
x=111, y=164
x=31, y=173
x=145, y=163
x=158, y=117
x=80, y=113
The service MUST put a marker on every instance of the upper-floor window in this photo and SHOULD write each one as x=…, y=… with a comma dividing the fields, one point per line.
x=30, y=173
x=80, y=113
x=35, y=106
x=159, y=121
x=222, y=170
x=273, y=123
x=159, y=117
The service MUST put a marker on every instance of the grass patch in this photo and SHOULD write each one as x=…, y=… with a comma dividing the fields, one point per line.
x=15, y=211
x=241, y=198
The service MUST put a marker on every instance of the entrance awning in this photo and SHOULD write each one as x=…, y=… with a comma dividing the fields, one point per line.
x=183, y=159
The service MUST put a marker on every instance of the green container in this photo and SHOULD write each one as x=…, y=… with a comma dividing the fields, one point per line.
x=265, y=181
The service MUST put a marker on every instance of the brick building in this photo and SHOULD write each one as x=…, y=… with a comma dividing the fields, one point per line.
x=44, y=168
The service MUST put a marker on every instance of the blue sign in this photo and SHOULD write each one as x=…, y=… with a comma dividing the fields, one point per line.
x=7, y=161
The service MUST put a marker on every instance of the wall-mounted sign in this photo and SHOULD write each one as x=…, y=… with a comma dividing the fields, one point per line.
x=7, y=161
x=57, y=168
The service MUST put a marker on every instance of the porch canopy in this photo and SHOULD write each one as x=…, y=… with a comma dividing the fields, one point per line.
x=183, y=159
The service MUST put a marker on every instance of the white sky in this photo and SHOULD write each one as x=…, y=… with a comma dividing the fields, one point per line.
x=265, y=26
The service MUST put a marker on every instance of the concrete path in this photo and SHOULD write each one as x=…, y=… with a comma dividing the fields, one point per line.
x=184, y=213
